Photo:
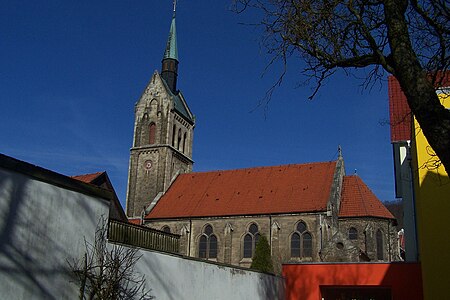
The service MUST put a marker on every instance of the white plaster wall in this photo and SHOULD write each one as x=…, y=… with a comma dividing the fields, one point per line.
x=175, y=277
x=41, y=227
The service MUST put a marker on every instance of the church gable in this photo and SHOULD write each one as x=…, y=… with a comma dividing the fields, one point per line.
x=156, y=90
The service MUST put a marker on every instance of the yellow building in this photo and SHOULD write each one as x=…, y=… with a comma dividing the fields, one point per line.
x=432, y=197
x=423, y=184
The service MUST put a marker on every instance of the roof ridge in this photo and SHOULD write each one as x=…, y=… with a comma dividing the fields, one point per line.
x=261, y=167
x=95, y=173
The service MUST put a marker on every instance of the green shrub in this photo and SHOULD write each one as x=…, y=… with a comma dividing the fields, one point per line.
x=262, y=259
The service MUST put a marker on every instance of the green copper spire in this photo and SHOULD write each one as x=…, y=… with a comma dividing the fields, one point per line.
x=171, y=48
x=169, y=70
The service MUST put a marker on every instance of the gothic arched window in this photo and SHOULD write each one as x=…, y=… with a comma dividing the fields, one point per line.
x=174, y=131
x=207, y=243
x=166, y=229
x=301, y=241
x=179, y=139
x=151, y=133
x=379, y=238
x=184, y=142
x=352, y=233
x=250, y=240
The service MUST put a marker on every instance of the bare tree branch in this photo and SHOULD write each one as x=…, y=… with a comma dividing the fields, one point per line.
x=409, y=39
x=107, y=271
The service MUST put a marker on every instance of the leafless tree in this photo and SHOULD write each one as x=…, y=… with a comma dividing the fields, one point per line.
x=107, y=271
x=406, y=38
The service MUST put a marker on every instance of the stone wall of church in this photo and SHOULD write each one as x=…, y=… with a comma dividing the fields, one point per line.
x=328, y=244
x=366, y=229
x=146, y=178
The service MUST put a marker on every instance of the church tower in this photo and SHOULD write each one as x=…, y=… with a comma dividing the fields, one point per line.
x=163, y=134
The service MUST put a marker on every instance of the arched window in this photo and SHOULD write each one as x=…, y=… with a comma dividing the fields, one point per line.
x=295, y=245
x=179, y=139
x=184, y=142
x=151, y=133
x=207, y=244
x=166, y=229
x=301, y=241
x=379, y=238
x=250, y=240
x=174, y=131
x=352, y=233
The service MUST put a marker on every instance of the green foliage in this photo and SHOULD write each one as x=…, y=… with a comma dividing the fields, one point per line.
x=262, y=259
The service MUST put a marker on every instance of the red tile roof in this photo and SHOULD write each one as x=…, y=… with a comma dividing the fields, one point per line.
x=136, y=221
x=357, y=200
x=399, y=112
x=263, y=190
x=88, y=178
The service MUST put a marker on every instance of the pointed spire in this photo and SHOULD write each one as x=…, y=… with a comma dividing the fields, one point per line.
x=171, y=47
x=339, y=151
x=169, y=70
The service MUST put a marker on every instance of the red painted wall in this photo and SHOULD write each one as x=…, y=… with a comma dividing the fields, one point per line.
x=303, y=281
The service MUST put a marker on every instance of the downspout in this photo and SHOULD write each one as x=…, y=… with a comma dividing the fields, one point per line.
x=270, y=233
x=321, y=233
x=190, y=237
x=413, y=198
x=389, y=239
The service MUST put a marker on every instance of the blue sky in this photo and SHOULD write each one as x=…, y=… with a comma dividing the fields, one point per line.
x=71, y=71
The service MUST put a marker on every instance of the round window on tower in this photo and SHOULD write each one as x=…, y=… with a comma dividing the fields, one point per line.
x=148, y=165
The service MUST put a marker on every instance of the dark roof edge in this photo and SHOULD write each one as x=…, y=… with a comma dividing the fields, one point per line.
x=258, y=168
x=52, y=177
x=239, y=215
x=366, y=216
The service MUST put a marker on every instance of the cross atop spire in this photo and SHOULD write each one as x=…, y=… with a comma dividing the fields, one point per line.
x=174, y=6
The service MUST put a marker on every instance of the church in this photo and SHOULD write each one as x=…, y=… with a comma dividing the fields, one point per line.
x=309, y=212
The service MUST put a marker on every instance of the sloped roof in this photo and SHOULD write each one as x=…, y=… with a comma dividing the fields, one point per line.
x=180, y=104
x=399, y=112
x=88, y=178
x=101, y=180
x=358, y=200
x=262, y=190
x=135, y=221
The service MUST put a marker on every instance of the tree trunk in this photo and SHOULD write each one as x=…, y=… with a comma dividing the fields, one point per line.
x=423, y=101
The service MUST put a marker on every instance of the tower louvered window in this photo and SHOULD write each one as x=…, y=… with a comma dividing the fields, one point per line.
x=184, y=142
x=174, y=131
x=179, y=140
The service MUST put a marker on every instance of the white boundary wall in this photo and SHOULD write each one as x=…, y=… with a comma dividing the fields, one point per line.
x=41, y=227
x=175, y=277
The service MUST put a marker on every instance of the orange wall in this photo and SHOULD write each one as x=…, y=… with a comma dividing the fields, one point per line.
x=303, y=281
